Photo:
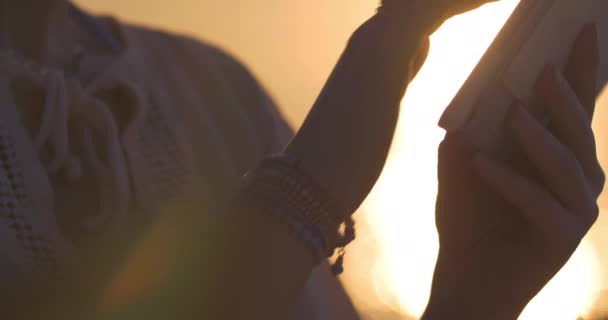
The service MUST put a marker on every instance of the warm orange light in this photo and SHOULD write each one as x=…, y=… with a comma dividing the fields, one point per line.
x=400, y=211
x=401, y=208
x=150, y=262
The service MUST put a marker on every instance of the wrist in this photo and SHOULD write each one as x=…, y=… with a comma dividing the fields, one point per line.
x=461, y=290
x=458, y=309
x=465, y=301
x=293, y=197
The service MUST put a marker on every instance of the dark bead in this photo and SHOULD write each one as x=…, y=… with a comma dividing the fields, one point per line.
x=338, y=267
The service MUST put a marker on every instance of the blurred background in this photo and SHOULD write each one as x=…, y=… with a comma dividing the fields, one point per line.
x=291, y=46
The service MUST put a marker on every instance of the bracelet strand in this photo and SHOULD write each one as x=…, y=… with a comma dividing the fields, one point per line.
x=307, y=209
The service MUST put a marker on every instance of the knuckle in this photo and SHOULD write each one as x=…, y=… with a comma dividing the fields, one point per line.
x=593, y=213
x=444, y=147
x=570, y=159
x=455, y=146
x=589, y=137
x=599, y=180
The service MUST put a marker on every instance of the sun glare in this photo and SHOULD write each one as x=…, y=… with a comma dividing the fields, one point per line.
x=401, y=208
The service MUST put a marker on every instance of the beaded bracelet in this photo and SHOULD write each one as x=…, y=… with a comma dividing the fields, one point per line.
x=285, y=216
x=280, y=180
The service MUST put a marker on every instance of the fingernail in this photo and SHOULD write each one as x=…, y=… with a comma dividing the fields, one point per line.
x=519, y=119
x=588, y=42
x=545, y=83
x=589, y=33
x=550, y=81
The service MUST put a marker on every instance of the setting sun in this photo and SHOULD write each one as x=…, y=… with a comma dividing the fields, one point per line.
x=402, y=208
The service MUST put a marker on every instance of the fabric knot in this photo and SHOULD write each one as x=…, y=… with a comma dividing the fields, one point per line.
x=78, y=136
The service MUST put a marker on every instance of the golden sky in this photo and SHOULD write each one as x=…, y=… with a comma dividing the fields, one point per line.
x=291, y=46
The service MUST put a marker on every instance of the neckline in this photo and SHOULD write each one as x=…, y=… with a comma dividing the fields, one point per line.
x=111, y=69
x=97, y=28
x=122, y=37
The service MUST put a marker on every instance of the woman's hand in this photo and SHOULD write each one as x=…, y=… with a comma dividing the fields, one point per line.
x=346, y=137
x=432, y=12
x=506, y=228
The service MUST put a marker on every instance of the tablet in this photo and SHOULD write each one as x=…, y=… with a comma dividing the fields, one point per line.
x=538, y=32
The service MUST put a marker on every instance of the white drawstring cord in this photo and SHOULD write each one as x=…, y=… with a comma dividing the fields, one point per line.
x=71, y=115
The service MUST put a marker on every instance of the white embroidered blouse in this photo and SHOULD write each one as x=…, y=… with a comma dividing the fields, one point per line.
x=169, y=119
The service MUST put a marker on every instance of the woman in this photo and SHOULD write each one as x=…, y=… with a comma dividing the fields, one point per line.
x=122, y=134
x=137, y=140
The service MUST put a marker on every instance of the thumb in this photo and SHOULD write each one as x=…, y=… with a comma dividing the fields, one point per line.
x=456, y=181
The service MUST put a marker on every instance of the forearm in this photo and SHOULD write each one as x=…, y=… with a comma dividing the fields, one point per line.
x=356, y=113
x=366, y=88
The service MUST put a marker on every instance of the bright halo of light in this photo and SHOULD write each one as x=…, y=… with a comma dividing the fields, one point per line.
x=401, y=207
x=572, y=292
